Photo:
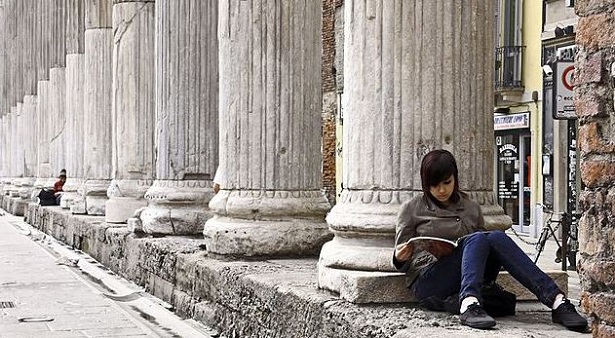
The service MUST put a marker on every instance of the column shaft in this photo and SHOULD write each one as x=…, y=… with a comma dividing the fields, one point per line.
x=186, y=97
x=74, y=134
x=133, y=109
x=270, y=106
x=97, y=107
x=408, y=89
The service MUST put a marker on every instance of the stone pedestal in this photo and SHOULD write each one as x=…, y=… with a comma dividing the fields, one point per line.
x=125, y=197
x=177, y=207
x=270, y=106
x=186, y=97
x=92, y=198
x=133, y=108
x=400, y=110
x=71, y=193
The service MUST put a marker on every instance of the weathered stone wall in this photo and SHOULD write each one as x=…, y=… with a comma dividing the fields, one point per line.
x=594, y=105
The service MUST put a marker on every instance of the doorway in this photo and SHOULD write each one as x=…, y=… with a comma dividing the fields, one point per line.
x=514, y=178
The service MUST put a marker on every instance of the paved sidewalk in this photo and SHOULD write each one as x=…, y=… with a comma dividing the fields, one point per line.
x=41, y=298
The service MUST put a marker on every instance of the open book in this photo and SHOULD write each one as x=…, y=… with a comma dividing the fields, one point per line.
x=422, y=239
x=439, y=247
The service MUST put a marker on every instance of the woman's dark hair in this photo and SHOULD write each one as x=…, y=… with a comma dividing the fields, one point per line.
x=437, y=166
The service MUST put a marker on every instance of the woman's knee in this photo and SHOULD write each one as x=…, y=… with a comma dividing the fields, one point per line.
x=497, y=236
x=477, y=237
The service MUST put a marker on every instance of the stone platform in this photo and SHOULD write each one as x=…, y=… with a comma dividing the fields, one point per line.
x=260, y=298
x=14, y=205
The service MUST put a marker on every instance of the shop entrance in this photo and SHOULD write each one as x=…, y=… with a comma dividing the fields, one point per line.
x=514, y=178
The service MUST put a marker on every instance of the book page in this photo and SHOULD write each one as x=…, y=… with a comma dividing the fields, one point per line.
x=438, y=247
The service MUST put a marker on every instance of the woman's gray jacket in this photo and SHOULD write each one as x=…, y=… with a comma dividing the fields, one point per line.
x=420, y=216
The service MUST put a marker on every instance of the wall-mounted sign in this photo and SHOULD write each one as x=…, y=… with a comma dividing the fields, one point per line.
x=512, y=121
x=563, y=95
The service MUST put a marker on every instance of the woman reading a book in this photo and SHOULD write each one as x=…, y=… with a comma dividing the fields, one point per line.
x=439, y=269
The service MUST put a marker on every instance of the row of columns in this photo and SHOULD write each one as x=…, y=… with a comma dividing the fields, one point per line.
x=151, y=97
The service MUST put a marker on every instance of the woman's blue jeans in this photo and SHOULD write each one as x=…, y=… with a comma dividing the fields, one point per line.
x=477, y=261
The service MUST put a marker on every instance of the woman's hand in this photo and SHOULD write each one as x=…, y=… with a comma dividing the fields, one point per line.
x=403, y=252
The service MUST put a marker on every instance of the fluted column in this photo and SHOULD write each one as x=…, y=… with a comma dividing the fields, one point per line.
x=133, y=108
x=29, y=132
x=416, y=78
x=186, y=117
x=57, y=121
x=42, y=114
x=74, y=133
x=6, y=156
x=28, y=111
x=97, y=107
x=16, y=150
x=270, y=108
x=4, y=106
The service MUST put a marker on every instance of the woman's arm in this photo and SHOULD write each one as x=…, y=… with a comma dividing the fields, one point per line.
x=405, y=229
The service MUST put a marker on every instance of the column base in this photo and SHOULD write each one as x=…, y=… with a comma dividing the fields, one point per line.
x=125, y=197
x=120, y=209
x=70, y=194
x=27, y=186
x=267, y=223
x=177, y=207
x=242, y=237
x=92, y=198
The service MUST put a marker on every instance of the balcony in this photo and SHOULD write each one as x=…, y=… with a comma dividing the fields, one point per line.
x=508, y=70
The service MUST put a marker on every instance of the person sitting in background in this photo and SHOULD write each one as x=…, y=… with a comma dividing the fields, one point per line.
x=58, y=186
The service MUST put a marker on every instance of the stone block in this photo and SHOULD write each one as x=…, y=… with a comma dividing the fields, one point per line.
x=596, y=32
x=390, y=287
x=595, y=172
x=588, y=68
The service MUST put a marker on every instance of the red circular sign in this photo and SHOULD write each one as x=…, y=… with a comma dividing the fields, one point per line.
x=567, y=77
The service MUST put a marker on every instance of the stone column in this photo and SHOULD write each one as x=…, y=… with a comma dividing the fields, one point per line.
x=416, y=78
x=57, y=121
x=97, y=107
x=4, y=107
x=133, y=108
x=29, y=136
x=16, y=151
x=270, y=142
x=42, y=115
x=28, y=112
x=186, y=117
x=74, y=134
x=6, y=154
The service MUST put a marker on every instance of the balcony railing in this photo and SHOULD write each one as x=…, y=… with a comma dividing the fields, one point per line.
x=508, y=68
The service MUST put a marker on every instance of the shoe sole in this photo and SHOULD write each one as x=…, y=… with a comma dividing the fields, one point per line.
x=481, y=326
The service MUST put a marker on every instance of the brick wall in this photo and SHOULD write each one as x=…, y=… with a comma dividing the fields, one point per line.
x=329, y=97
x=594, y=105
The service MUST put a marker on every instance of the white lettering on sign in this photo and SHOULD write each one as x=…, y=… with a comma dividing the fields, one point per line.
x=513, y=121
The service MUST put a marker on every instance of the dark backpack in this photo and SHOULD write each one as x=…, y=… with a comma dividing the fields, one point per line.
x=46, y=197
x=497, y=302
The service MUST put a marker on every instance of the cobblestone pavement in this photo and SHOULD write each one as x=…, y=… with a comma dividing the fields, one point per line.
x=46, y=295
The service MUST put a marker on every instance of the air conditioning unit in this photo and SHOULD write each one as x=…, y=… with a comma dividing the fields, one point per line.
x=569, y=3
